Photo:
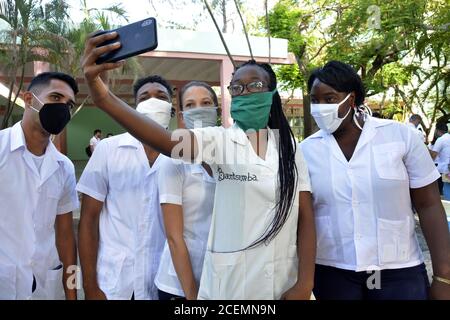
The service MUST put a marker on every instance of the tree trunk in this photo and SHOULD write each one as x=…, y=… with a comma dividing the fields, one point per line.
x=224, y=16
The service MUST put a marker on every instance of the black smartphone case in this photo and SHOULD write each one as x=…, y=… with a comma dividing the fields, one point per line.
x=135, y=38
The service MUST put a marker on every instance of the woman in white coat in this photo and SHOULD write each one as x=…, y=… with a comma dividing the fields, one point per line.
x=367, y=174
x=186, y=193
x=262, y=239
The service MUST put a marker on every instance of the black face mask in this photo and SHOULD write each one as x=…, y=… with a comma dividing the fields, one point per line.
x=54, y=117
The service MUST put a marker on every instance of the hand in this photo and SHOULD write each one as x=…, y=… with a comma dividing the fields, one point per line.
x=439, y=291
x=297, y=292
x=93, y=73
x=94, y=293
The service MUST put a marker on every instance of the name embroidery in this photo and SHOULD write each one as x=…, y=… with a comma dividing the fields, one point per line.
x=238, y=177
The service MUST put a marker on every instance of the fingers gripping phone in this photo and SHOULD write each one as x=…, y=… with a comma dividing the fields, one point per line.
x=135, y=38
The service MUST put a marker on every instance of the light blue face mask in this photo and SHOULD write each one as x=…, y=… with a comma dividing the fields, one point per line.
x=200, y=117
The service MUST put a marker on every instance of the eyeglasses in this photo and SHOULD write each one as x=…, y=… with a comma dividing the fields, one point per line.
x=237, y=89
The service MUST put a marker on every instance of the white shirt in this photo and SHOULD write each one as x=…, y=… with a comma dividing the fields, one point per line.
x=245, y=199
x=363, y=207
x=131, y=229
x=38, y=160
x=30, y=202
x=442, y=147
x=189, y=186
x=417, y=131
x=94, y=141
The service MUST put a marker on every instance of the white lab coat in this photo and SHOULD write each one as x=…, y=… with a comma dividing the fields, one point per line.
x=243, y=209
x=131, y=230
x=363, y=209
x=189, y=186
x=30, y=201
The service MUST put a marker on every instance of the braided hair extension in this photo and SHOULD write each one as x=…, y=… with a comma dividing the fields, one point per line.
x=287, y=169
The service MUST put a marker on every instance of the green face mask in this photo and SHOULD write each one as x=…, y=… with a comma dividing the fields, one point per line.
x=252, y=111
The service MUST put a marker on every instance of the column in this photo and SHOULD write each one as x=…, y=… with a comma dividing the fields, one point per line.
x=226, y=73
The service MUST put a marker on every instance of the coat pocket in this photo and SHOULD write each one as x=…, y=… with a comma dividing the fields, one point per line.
x=109, y=268
x=54, y=285
x=388, y=160
x=393, y=240
x=227, y=276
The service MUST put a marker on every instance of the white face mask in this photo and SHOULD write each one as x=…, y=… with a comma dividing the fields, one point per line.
x=326, y=115
x=200, y=117
x=157, y=110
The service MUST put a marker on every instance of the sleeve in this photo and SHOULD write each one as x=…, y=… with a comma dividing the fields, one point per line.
x=170, y=182
x=209, y=141
x=94, y=180
x=419, y=164
x=92, y=142
x=69, y=199
x=438, y=145
x=304, y=183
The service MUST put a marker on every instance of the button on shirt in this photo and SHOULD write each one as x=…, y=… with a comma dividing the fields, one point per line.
x=442, y=147
x=131, y=228
x=244, y=206
x=189, y=186
x=363, y=207
x=30, y=201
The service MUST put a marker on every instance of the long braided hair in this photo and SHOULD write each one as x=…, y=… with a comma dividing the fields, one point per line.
x=287, y=169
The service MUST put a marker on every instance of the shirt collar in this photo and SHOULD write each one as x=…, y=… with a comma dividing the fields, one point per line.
x=237, y=134
x=18, y=141
x=371, y=123
x=196, y=168
x=127, y=140
x=17, y=137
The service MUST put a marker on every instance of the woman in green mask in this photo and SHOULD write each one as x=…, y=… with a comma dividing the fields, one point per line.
x=261, y=242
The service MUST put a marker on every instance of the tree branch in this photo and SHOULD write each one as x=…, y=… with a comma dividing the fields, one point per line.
x=220, y=33
x=245, y=29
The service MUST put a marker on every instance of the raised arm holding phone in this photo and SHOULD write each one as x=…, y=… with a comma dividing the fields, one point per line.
x=278, y=228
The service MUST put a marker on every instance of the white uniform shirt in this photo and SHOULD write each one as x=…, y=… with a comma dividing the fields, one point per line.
x=442, y=147
x=363, y=207
x=417, y=131
x=189, y=186
x=131, y=229
x=30, y=202
x=94, y=142
x=244, y=205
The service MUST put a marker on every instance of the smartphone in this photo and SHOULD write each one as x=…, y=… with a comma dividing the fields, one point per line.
x=135, y=38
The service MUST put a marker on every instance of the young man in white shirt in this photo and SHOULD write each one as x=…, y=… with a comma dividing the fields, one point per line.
x=37, y=192
x=95, y=139
x=414, y=123
x=121, y=234
x=441, y=151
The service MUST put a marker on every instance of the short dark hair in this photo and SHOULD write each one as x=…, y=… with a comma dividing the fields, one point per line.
x=341, y=77
x=97, y=131
x=198, y=84
x=442, y=126
x=44, y=79
x=376, y=114
x=415, y=117
x=152, y=79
